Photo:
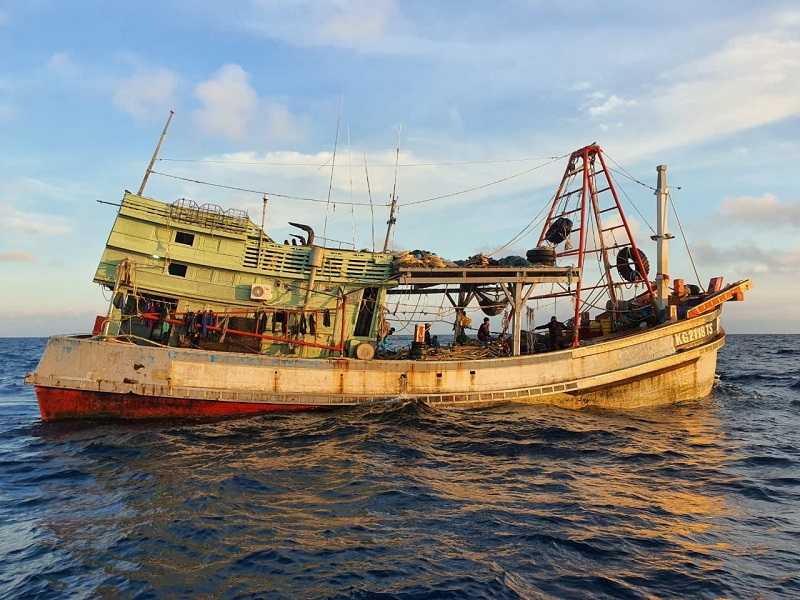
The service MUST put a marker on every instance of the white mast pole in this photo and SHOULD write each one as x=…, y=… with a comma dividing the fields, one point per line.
x=155, y=154
x=662, y=238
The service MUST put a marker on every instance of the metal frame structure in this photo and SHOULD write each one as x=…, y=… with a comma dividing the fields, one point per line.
x=583, y=162
x=512, y=281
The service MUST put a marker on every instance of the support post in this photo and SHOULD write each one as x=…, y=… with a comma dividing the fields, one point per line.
x=662, y=238
x=155, y=153
x=517, y=331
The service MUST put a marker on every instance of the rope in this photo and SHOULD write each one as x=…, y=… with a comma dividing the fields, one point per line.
x=252, y=191
x=636, y=208
x=326, y=201
x=333, y=166
x=685, y=242
x=531, y=224
x=451, y=163
x=485, y=185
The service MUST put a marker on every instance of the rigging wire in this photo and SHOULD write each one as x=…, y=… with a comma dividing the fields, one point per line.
x=451, y=163
x=350, y=177
x=333, y=166
x=537, y=218
x=636, y=208
x=252, y=191
x=622, y=171
x=626, y=174
x=685, y=242
x=371, y=207
x=485, y=185
x=327, y=201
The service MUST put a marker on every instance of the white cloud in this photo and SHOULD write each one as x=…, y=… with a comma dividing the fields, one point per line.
x=17, y=256
x=751, y=81
x=611, y=104
x=7, y=112
x=344, y=23
x=229, y=103
x=12, y=219
x=357, y=21
x=749, y=258
x=231, y=108
x=62, y=64
x=147, y=92
x=764, y=210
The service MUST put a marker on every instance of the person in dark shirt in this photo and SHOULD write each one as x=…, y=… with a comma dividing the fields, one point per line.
x=427, y=334
x=484, y=332
x=556, y=330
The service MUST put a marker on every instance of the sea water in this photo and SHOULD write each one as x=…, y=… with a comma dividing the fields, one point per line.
x=699, y=500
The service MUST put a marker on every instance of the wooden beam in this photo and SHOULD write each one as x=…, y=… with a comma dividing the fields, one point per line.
x=733, y=292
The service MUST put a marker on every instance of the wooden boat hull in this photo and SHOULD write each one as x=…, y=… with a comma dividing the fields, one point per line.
x=80, y=378
x=57, y=404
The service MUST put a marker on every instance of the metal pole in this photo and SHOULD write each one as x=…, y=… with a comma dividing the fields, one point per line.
x=601, y=240
x=155, y=153
x=261, y=233
x=392, y=219
x=662, y=238
x=581, y=251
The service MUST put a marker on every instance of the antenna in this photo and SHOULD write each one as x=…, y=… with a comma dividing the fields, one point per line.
x=155, y=153
x=392, y=219
x=333, y=166
x=371, y=207
x=261, y=233
x=350, y=177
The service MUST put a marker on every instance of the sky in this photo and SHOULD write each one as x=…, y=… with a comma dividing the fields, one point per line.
x=711, y=89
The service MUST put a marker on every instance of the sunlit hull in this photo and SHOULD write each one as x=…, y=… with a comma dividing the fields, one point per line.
x=81, y=378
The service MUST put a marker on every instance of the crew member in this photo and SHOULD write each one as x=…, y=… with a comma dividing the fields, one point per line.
x=428, y=334
x=555, y=329
x=484, y=333
x=383, y=344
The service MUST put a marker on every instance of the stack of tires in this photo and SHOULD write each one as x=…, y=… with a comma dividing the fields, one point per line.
x=542, y=255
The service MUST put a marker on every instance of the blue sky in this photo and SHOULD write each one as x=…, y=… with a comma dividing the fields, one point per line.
x=712, y=89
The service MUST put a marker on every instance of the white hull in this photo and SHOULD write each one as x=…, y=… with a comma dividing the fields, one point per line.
x=666, y=364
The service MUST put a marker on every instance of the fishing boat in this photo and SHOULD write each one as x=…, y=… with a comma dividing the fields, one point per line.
x=209, y=316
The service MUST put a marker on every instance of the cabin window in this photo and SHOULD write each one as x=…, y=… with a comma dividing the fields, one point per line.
x=177, y=269
x=366, y=311
x=181, y=237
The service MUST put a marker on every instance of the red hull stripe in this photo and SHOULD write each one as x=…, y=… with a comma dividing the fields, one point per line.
x=56, y=404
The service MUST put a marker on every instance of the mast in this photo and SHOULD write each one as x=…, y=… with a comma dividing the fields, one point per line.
x=662, y=238
x=392, y=218
x=155, y=154
x=371, y=207
x=261, y=232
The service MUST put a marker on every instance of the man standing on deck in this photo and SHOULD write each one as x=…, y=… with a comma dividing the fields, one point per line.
x=428, y=335
x=484, y=332
x=555, y=329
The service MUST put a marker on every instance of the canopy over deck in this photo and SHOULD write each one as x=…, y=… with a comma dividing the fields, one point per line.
x=487, y=275
x=517, y=283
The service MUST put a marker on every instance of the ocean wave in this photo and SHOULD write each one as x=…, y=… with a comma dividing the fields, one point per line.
x=410, y=501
